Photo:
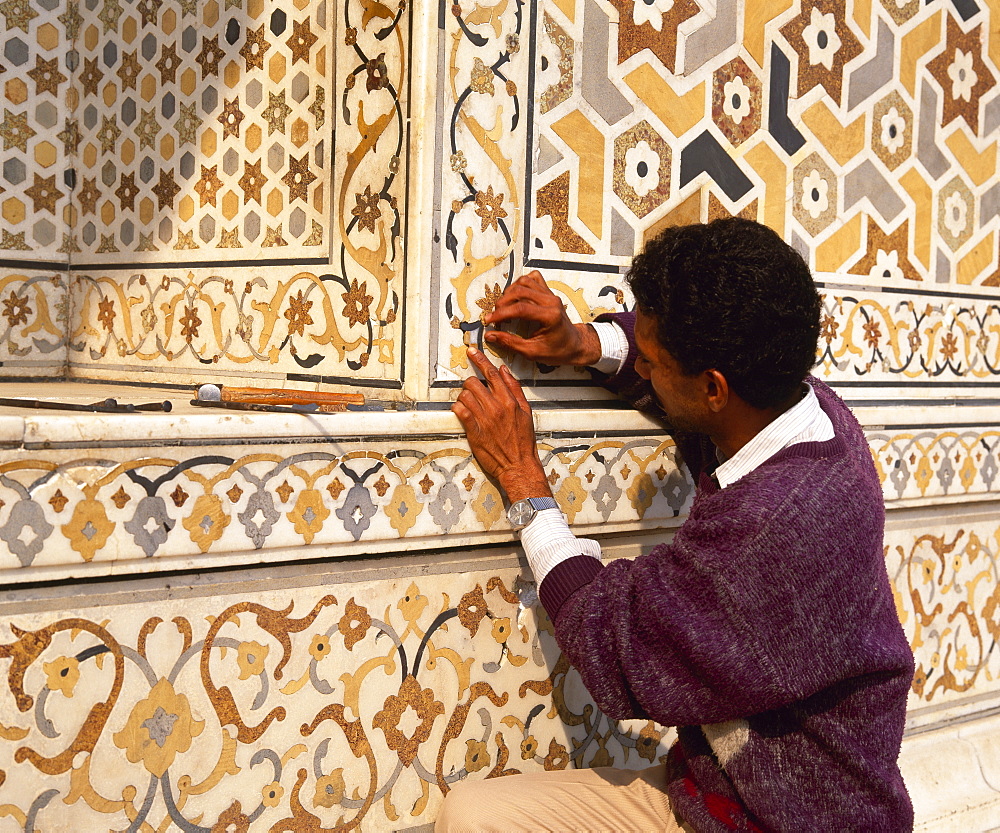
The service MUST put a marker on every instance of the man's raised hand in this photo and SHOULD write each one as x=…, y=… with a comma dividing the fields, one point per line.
x=501, y=433
x=557, y=340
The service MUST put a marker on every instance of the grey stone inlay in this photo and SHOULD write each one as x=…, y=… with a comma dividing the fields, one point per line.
x=801, y=246
x=991, y=116
x=942, y=273
x=714, y=38
x=989, y=207
x=866, y=181
x=873, y=75
x=596, y=87
x=928, y=152
x=622, y=236
x=547, y=155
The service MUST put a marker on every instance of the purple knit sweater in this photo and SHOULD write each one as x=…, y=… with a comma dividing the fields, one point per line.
x=765, y=631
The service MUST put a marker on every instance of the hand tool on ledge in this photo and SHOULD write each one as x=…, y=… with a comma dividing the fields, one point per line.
x=105, y=406
x=231, y=397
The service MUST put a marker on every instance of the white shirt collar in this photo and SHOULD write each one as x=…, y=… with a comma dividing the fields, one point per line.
x=803, y=422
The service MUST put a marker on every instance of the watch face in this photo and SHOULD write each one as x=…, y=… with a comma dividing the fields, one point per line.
x=520, y=513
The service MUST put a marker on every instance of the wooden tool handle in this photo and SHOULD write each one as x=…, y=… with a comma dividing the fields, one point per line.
x=271, y=396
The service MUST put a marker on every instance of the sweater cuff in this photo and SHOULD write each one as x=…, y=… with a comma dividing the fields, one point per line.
x=564, y=580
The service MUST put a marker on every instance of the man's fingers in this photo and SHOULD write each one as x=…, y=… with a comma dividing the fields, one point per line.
x=515, y=388
x=523, y=346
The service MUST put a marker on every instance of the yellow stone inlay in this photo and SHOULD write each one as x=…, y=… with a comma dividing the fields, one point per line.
x=108, y=212
x=148, y=87
x=980, y=166
x=568, y=8
x=833, y=252
x=916, y=44
x=230, y=205
x=253, y=137
x=189, y=81
x=275, y=202
x=210, y=13
x=231, y=74
x=993, y=45
x=770, y=167
x=69, y=215
x=321, y=61
x=129, y=29
x=45, y=154
x=47, y=36
x=146, y=210
x=276, y=67
x=318, y=197
x=89, y=155
x=110, y=94
x=977, y=260
x=863, y=16
x=255, y=8
x=13, y=211
x=587, y=142
x=91, y=37
x=167, y=146
x=678, y=112
x=72, y=99
x=186, y=208
x=301, y=4
x=169, y=21
x=16, y=91
x=844, y=143
x=208, y=142
x=684, y=214
x=757, y=16
x=300, y=133
x=128, y=152
x=922, y=195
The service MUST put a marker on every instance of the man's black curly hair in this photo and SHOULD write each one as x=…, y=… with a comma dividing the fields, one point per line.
x=732, y=296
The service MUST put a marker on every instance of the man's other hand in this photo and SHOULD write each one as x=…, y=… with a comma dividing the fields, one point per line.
x=497, y=421
x=557, y=340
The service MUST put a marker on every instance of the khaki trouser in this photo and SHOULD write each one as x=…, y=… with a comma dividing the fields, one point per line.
x=579, y=800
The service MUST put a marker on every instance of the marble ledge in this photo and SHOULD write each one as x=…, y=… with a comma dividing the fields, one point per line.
x=44, y=428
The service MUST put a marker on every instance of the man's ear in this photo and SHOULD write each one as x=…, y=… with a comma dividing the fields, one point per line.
x=716, y=390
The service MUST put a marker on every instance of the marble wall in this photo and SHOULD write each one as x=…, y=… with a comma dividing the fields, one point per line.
x=328, y=195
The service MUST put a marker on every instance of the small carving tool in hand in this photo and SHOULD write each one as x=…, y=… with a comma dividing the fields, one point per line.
x=326, y=401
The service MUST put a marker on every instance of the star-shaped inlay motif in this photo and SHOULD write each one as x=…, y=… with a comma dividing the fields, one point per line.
x=252, y=181
x=276, y=113
x=254, y=48
x=299, y=178
x=127, y=192
x=166, y=189
x=15, y=130
x=210, y=55
x=187, y=124
x=89, y=194
x=46, y=76
x=301, y=41
x=168, y=63
x=91, y=76
x=147, y=128
x=208, y=186
x=231, y=117
x=129, y=70
x=18, y=14
x=44, y=193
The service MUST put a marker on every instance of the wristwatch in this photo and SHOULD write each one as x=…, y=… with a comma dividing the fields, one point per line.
x=522, y=512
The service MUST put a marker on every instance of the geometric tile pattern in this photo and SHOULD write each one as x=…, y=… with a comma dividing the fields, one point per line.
x=203, y=131
x=867, y=135
x=362, y=702
x=34, y=136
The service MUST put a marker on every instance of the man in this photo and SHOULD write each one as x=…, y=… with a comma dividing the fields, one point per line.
x=766, y=629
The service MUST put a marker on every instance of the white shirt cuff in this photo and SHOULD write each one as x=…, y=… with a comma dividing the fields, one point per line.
x=547, y=541
x=614, y=347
